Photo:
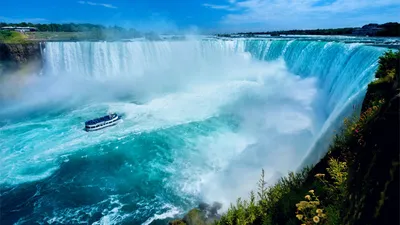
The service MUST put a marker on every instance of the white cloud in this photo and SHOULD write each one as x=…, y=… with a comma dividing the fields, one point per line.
x=224, y=7
x=97, y=4
x=304, y=13
x=19, y=20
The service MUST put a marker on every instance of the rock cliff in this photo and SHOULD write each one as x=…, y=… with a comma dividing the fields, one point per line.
x=14, y=57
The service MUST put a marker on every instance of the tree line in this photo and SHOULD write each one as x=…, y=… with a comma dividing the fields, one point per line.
x=389, y=30
x=66, y=27
x=339, y=31
x=95, y=31
x=378, y=30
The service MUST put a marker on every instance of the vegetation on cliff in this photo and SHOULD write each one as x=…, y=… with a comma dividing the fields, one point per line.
x=356, y=183
x=12, y=37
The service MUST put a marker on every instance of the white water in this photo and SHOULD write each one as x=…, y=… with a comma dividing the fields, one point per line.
x=285, y=96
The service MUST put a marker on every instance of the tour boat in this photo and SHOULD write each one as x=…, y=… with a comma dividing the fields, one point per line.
x=102, y=122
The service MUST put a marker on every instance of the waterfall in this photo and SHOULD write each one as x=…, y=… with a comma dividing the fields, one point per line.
x=198, y=116
x=343, y=70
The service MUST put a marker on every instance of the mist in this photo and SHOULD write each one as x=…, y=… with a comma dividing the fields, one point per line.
x=264, y=95
x=208, y=114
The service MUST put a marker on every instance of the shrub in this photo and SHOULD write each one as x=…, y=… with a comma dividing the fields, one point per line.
x=310, y=210
x=12, y=37
x=387, y=62
x=176, y=222
x=264, y=208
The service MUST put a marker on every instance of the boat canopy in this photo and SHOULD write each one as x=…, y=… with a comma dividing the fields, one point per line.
x=101, y=119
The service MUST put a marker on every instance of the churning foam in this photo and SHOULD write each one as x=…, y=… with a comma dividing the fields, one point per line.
x=280, y=94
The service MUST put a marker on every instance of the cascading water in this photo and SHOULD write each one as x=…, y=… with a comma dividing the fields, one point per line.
x=200, y=120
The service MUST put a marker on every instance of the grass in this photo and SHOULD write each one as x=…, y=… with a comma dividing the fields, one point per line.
x=17, y=37
x=59, y=36
x=12, y=37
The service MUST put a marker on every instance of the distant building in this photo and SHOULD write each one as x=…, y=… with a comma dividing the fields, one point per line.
x=20, y=29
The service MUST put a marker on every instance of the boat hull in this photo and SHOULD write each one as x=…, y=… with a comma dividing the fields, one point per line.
x=105, y=125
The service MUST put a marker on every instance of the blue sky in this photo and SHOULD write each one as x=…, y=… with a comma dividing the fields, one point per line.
x=205, y=15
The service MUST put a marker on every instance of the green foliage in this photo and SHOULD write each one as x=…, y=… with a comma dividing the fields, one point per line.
x=390, y=76
x=338, y=173
x=12, y=37
x=92, y=31
x=389, y=63
x=195, y=216
x=5, y=35
x=336, y=190
x=262, y=209
x=53, y=27
x=333, y=215
x=310, y=210
x=276, y=204
x=176, y=222
x=386, y=86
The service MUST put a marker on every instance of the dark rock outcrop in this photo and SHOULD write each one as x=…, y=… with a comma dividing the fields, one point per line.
x=204, y=214
x=14, y=57
x=176, y=222
x=374, y=174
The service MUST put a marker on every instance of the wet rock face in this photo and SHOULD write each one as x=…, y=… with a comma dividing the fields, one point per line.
x=211, y=211
x=204, y=214
x=176, y=222
x=14, y=56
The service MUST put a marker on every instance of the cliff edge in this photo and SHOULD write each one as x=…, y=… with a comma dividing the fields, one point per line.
x=14, y=57
x=356, y=183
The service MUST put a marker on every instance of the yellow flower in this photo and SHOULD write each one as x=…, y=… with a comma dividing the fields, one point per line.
x=315, y=219
x=299, y=216
x=311, y=191
x=319, y=211
x=303, y=224
x=308, y=197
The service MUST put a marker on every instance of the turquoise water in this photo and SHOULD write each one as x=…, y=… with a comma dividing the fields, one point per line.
x=200, y=120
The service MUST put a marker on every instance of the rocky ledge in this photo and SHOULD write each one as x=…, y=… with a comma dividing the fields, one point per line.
x=204, y=214
x=14, y=57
